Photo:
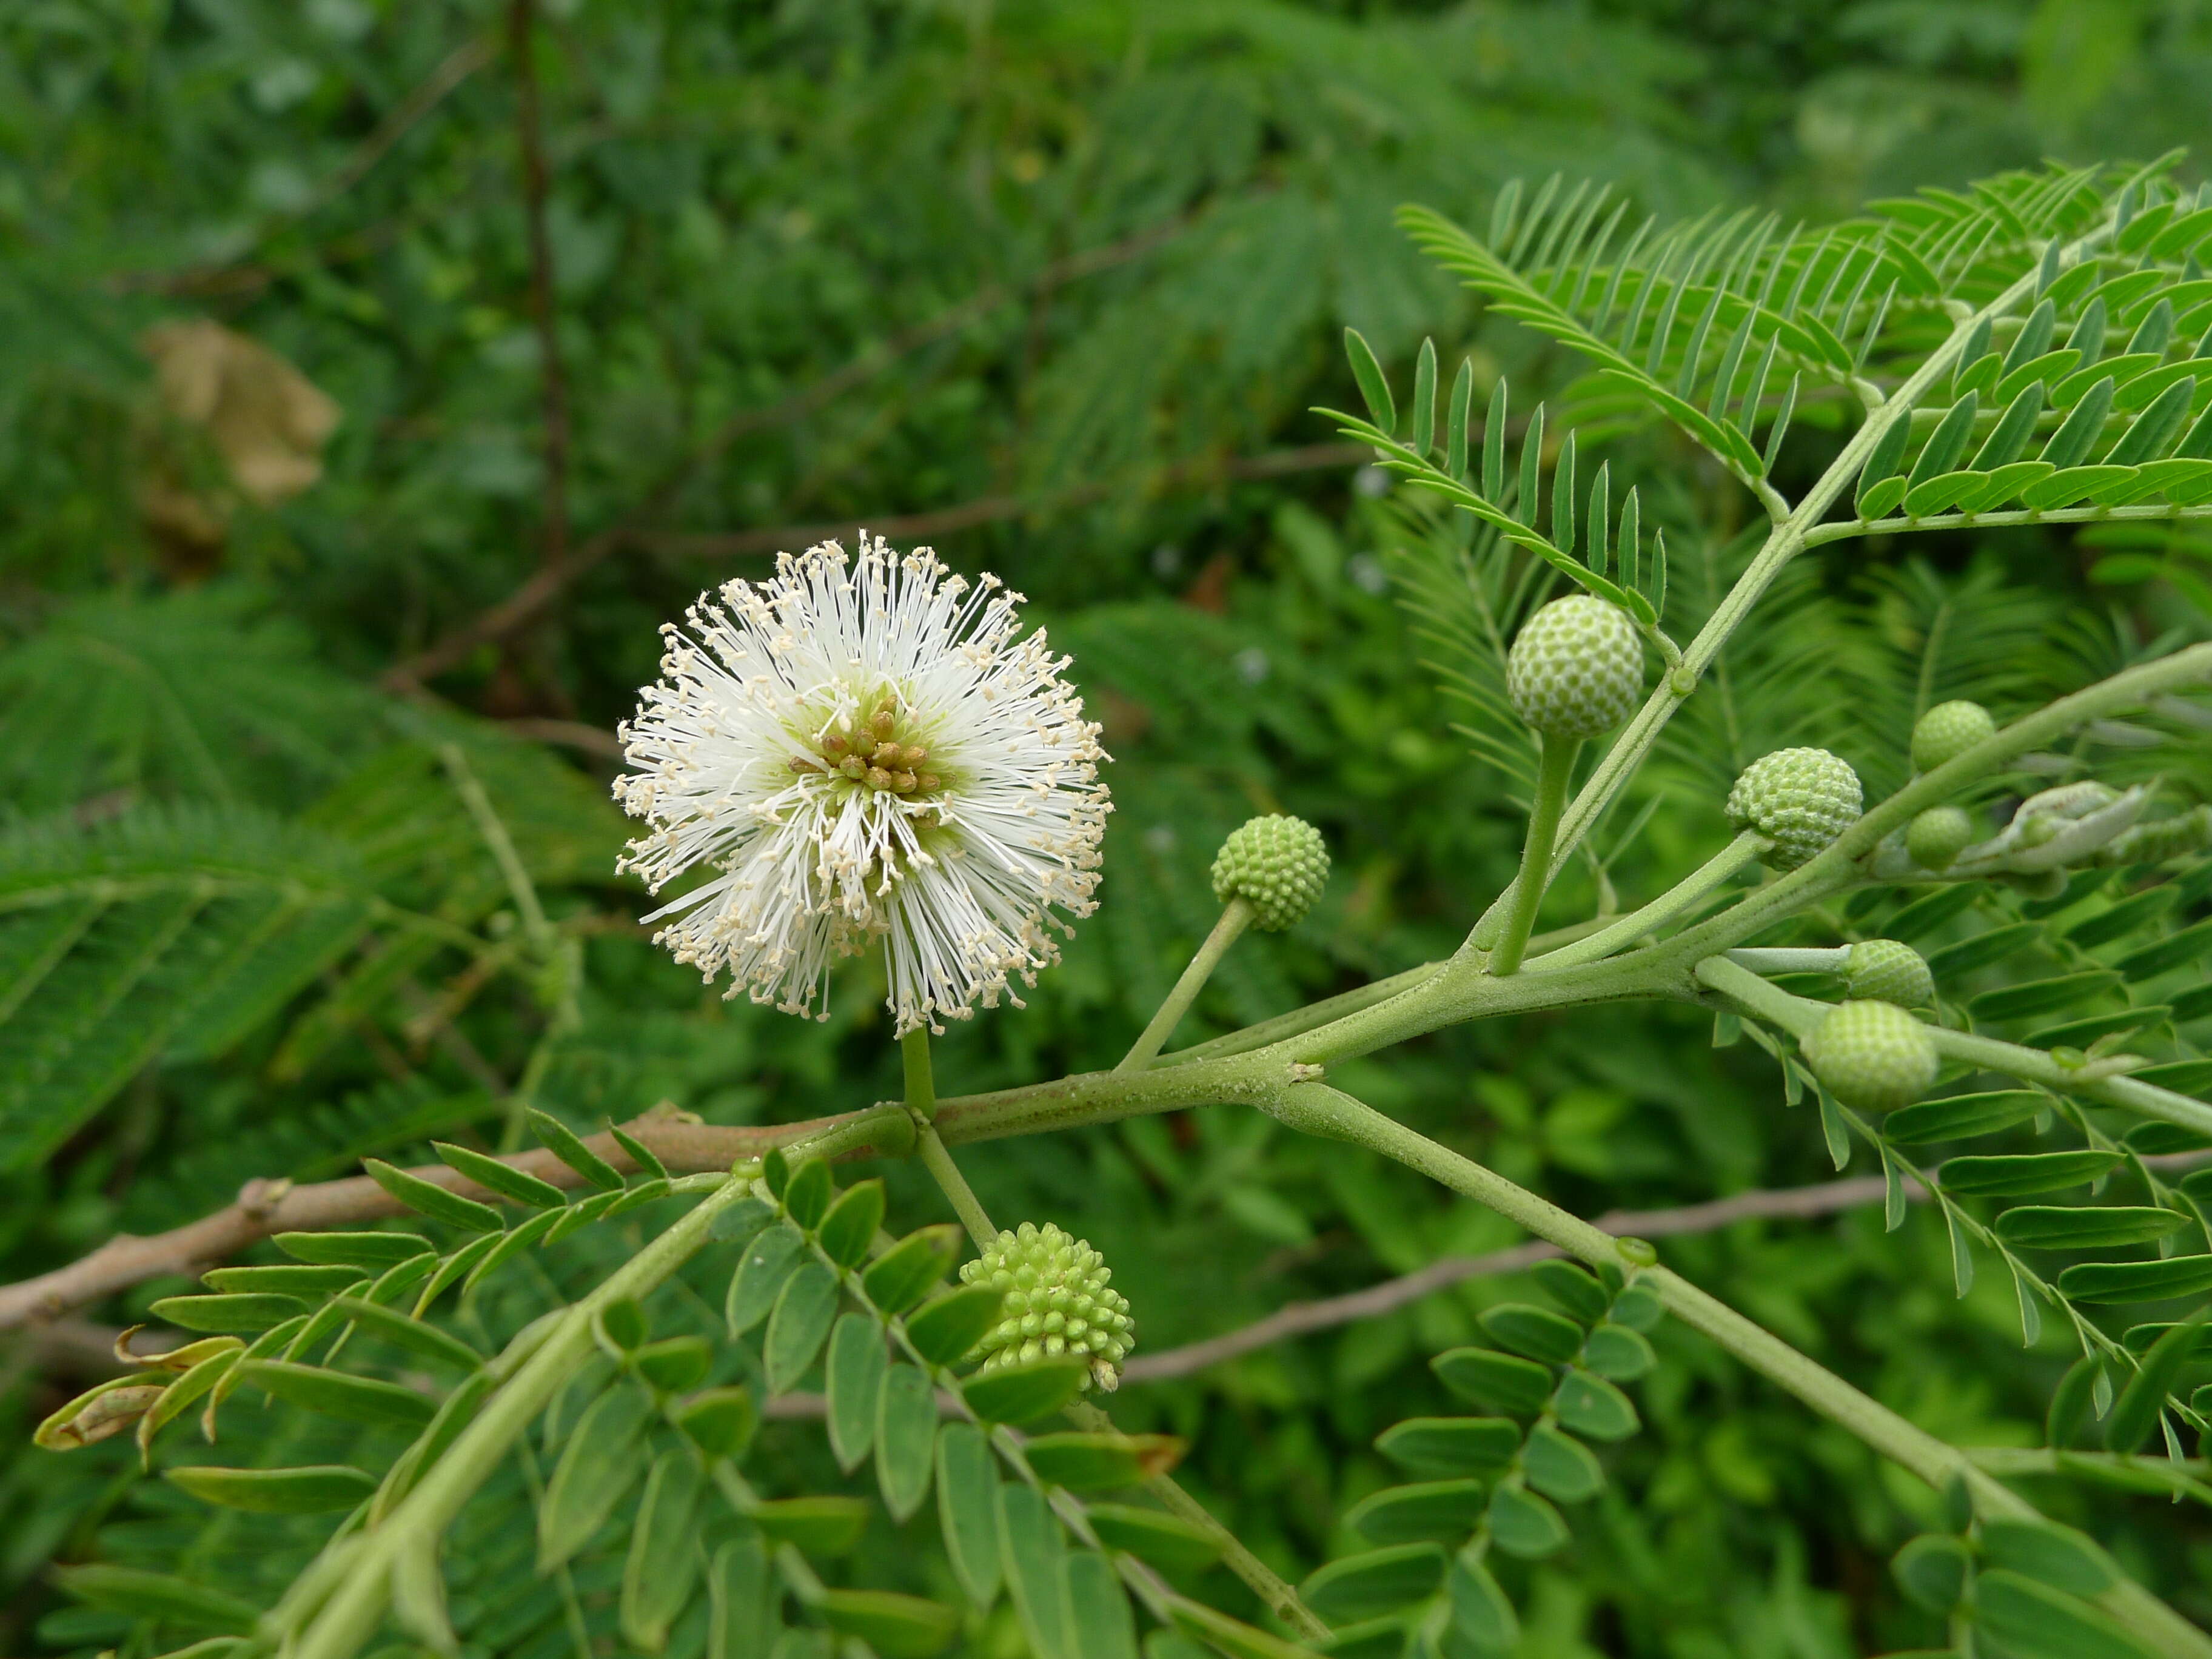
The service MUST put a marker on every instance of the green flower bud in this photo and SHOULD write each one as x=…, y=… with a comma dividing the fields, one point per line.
x=1277, y=865
x=1059, y=1303
x=1575, y=669
x=1873, y=1055
x=1885, y=971
x=1948, y=731
x=1938, y=835
x=1799, y=798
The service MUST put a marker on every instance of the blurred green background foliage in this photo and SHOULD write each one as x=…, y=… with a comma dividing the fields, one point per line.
x=357, y=431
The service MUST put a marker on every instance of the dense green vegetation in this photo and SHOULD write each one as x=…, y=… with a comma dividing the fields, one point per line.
x=1054, y=288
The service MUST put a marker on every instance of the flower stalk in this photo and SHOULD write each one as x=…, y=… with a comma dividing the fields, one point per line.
x=1555, y=766
x=1236, y=916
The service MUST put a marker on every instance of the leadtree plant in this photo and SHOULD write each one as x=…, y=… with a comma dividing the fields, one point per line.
x=868, y=753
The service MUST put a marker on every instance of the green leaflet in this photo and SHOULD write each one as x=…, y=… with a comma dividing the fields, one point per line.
x=2020, y=1176
x=968, y=1510
x=2039, y=1622
x=852, y=1378
x=156, y=1596
x=769, y=1260
x=1097, y=1609
x=597, y=1465
x=1448, y=1446
x=2137, y=1281
x=895, y=1625
x=1524, y=1524
x=1485, y=1377
x=1365, y=1586
x=1559, y=1466
x=1961, y=1117
x=1175, y=1545
x=850, y=1227
x=1033, y=1555
x=1536, y=1331
x=799, y=1324
x=904, y=1274
x=663, y=1563
x=307, y=1489
x=818, y=1526
x=1441, y=1510
x=339, y=1394
x=742, y=1596
x=1023, y=1393
x=432, y=1199
x=946, y=1329
x=1102, y=1461
x=905, y=1439
x=2054, y=1227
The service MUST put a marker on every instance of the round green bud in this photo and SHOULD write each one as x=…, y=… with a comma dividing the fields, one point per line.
x=1059, y=1303
x=1575, y=669
x=1937, y=837
x=1873, y=1055
x=1948, y=731
x=1886, y=970
x=1277, y=865
x=1799, y=798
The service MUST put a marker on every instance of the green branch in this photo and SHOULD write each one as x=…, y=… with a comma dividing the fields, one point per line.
x=1318, y=1109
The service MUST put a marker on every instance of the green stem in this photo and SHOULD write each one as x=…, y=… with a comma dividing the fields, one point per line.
x=1714, y=872
x=920, y=1078
x=1301, y=1020
x=1555, y=768
x=1236, y=917
x=965, y=1205
x=1317, y=1109
x=351, y=1615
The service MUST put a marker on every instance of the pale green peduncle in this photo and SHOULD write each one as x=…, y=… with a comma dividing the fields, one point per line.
x=1236, y=916
x=1555, y=768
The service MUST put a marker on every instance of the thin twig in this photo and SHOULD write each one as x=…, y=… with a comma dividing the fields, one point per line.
x=536, y=182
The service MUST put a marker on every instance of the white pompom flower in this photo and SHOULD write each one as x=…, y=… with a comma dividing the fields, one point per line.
x=863, y=749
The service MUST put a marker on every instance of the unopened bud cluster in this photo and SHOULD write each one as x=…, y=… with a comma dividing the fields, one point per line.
x=1277, y=865
x=1059, y=1303
x=1801, y=799
x=1575, y=669
x=1948, y=731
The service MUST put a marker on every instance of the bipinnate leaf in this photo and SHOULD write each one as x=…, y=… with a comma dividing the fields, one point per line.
x=944, y=1330
x=308, y=1490
x=806, y=1197
x=1100, y=1462
x=905, y=1439
x=768, y=1261
x=1175, y=1545
x=900, y=1277
x=853, y=1377
x=2037, y=1621
x=1442, y=1509
x=428, y=1198
x=801, y=1321
x=560, y=1140
x=2136, y=1411
x=663, y=1563
x=1023, y=1393
x=339, y=1394
x=1446, y=1446
x=505, y=1179
x=371, y=1250
x=157, y=1596
x=742, y=1596
x=850, y=1227
x=968, y=1510
x=597, y=1465
x=1374, y=1583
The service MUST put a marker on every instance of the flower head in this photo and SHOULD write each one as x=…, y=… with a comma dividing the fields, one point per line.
x=863, y=749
